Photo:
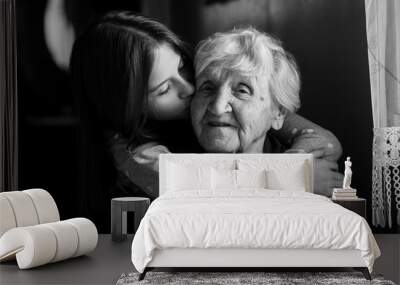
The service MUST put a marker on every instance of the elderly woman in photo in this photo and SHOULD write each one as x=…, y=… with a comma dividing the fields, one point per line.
x=246, y=84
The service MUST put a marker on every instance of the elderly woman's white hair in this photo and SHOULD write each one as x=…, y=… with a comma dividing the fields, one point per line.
x=252, y=53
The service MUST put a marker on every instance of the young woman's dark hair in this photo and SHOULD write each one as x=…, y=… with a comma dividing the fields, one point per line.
x=110, y=66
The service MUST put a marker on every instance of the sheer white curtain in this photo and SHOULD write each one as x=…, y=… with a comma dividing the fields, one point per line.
x=383, y=34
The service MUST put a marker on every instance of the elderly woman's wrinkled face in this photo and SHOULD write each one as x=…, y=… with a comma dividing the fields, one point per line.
x=232, y=112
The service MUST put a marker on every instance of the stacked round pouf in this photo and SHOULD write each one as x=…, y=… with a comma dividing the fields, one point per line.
x=31, y=230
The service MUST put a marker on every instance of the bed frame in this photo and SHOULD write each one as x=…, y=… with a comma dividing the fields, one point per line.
x=248, y=259
x=260, y=259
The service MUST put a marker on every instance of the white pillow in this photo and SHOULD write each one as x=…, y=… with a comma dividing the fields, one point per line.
x=251, y=178
x=226, y=179
x=188, y=177
x=223, y=179
x=292, y=179
x=281, y=174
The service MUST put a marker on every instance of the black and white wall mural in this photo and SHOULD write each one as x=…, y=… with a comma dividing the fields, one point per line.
x=80, y=148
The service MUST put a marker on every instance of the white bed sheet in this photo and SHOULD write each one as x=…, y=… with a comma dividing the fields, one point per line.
x=252, y=218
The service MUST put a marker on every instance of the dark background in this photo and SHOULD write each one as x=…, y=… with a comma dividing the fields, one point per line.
x=327, y=37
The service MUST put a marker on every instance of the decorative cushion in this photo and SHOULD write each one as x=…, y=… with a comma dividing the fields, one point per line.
x=223, y=179
x=252, y=178
x=231, y=180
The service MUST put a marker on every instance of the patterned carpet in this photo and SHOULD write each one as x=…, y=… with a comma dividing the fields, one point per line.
x=243, y=278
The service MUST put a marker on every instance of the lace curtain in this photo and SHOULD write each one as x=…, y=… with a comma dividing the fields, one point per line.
x=8, y=97
x=383, y=34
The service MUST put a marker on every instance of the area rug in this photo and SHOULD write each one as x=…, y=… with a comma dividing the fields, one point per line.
x=243, y=278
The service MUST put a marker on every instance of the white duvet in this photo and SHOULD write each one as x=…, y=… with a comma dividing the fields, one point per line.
x=253, y=218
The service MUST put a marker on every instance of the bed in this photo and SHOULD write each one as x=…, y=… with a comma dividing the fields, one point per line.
x=247, y=211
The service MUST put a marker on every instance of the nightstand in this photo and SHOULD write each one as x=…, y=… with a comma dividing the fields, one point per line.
x=358, y=205
x=119, y=209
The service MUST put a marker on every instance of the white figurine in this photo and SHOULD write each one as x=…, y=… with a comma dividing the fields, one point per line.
x=347, y=174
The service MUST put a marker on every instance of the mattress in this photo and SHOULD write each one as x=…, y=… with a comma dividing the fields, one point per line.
x=250, y=218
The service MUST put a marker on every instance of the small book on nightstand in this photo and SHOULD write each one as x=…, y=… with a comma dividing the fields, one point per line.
x=357, y=205
x=344, y=194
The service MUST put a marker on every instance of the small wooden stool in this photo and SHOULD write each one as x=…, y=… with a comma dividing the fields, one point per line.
x=119, y=208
